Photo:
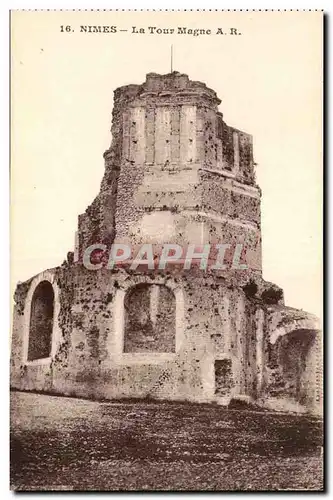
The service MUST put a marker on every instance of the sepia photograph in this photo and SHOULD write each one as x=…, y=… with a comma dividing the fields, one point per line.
x=166, y=251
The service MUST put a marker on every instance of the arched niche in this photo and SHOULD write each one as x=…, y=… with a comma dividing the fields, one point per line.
x=298, y=355
x=41, y=322
x=149, y=319
x=41, y=333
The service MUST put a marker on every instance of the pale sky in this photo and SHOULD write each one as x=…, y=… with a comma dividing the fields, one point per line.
x=270, y=82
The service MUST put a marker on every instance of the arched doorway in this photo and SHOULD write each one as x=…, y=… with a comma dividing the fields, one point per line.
x=41, y=322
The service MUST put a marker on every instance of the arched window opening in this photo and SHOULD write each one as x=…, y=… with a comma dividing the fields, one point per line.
x=41, y=322
x=150, y=319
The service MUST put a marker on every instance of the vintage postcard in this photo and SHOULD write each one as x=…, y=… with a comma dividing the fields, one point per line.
x=166, y=224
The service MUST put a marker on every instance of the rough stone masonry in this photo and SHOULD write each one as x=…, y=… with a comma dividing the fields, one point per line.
x=175, y=173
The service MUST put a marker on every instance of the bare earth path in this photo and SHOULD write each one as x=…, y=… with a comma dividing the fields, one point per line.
x=72, y=444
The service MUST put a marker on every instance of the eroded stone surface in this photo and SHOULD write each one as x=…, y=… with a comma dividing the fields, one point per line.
x=175, y=172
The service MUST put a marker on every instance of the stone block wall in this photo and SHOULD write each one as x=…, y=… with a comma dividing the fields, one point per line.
x=209, y=340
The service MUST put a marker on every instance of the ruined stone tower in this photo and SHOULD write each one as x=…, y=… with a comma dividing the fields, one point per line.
x=180, y=172
x=175, y=173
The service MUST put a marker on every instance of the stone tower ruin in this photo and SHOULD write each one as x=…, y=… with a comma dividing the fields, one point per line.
x=175, y=172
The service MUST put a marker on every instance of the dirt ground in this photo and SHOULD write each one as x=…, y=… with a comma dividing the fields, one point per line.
x=68, y=444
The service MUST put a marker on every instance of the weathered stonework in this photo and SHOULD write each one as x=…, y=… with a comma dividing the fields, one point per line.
x=176, y=173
